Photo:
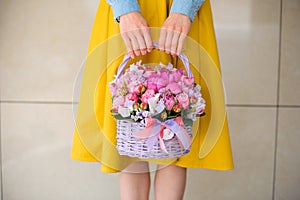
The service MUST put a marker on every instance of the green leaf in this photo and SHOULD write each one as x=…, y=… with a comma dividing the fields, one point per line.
x=188, y=122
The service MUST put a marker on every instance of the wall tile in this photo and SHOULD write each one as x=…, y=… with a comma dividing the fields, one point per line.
x=248, y=38
x=252, y=136
x=42, y=45
x=1, y=157
x=36, y=145
x=290, y=48
x=288, y=163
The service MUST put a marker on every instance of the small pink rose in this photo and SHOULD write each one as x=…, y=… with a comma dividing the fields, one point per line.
x=169, y=101
x=147, y=95
x=139, y=89
x=132, y=97
x=188, y=81
x=177, y=108
x=143, y=106
x=135, y=105
x=183, y=100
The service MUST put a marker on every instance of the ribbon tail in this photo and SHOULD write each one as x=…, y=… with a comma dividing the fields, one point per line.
x=181, y=134
x=162, y=145
x=153, y=137
x=179, y=139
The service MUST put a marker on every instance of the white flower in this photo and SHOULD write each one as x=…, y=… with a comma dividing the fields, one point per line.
x=129, y=104
x=160, y=106
x=191, y=116
x=146, y=114
x=155, y=105
x=124, y=112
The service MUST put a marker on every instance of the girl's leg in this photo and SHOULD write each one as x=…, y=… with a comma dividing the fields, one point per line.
x=135, y=182
x=170, y=183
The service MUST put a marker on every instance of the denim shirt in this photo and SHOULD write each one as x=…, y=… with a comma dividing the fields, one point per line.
x=186, y=7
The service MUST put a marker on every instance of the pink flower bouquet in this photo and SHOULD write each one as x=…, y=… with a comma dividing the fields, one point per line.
x=161, y=92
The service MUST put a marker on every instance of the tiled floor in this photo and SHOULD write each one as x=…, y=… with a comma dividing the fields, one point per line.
x=42, y=46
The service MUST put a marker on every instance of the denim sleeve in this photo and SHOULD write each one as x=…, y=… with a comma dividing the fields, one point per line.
x=121, y=7
x=186, y=7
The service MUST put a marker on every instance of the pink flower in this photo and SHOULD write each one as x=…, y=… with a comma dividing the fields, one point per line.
x=201, y=112
x=148, y=74
x=169, y=101
x=177, y=108
x=135, y=105
x=143, y=106
x=139, y=89
x=162, y=80
x=113, y=88
x=132, y=97
x=188, y=81
x=174, y=88
x=152, y=86
x=175, y=76
x=118, y=101
x=193, y=100
x=147, y=95
x=183, y=100
x=158, y=81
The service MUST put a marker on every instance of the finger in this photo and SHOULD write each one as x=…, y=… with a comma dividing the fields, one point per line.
x=180, y=43
x=128, y=44
x=141, y=42
x=168, y=41
x=135, y=44
x=148, y=39
x=174, y=42
x=162, y=39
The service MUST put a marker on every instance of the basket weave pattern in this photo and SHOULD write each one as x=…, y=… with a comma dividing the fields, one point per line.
x=129, y=145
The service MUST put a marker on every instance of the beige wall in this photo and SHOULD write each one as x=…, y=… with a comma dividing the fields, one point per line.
x=42, y=45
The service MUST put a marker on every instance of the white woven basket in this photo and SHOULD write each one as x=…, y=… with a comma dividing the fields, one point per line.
x=129, y=145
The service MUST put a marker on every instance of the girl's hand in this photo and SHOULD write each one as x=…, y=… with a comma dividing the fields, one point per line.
x=173, y=32
x=136, y=34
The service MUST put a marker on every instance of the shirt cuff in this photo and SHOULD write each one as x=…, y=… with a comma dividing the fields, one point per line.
x=122, y=7
x=186, y=7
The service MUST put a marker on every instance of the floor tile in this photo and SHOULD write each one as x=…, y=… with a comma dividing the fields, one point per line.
x=288, y=161
x=252, y=132
x=36, y=145
x=248, y=39
x=290, y=48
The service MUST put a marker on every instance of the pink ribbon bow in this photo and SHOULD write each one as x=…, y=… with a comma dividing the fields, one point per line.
x=154, y=130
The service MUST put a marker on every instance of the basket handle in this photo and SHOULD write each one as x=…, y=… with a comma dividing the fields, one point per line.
x=181, y=56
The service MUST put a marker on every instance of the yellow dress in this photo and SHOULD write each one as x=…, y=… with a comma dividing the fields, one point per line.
x=94, y=134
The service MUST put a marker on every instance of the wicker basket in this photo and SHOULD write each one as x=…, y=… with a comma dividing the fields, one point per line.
x=129, y=145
